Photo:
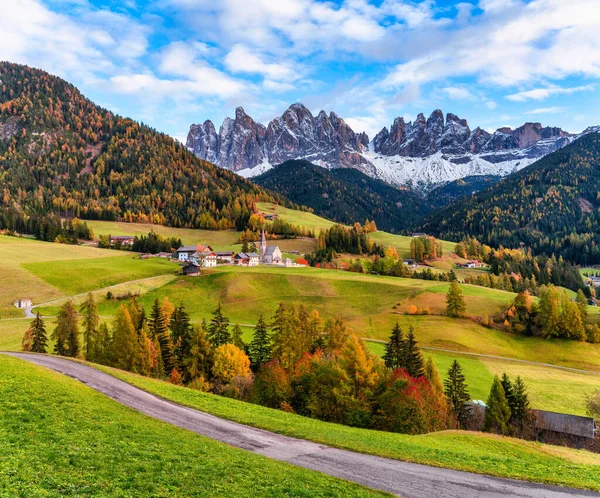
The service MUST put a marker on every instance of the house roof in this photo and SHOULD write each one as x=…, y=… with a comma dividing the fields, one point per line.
x=224, y=253
x=271, y=250
x=252, y=255
x=241, y=255
x=186, y=249
x=565, y=423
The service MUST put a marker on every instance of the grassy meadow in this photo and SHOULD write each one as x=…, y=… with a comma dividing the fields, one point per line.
x=51, y=446
x=474, y=452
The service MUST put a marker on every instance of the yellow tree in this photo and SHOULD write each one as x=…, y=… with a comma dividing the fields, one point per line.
x=230, y=362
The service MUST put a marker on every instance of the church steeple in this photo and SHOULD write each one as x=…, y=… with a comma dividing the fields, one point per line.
x=263, y=245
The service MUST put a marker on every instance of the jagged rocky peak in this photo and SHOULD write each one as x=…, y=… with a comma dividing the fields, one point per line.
x=242, y=143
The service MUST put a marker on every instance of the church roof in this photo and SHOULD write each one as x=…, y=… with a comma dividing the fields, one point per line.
x=271, y=249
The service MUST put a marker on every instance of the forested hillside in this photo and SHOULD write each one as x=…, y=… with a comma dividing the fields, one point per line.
x=345, y=195
x=453, y=191
x=551, y=206
x=62, y=155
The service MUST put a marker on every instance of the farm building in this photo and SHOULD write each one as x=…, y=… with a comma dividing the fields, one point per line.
x=122, y=240
x=224, y=256
x=205, y=259
x=23, y=303
x=185, y=252
x=191, y=269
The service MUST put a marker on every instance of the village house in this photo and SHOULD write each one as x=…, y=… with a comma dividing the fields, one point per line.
x=593, y=281
x=191, y=269
x=269, y=255
x=246, y=259
x=122, y=240
x=23, y=303
x=472, y=264
x=288, y=262
x=205, y=259
x=224, y=257
x=253, y=259
x=185, y=252
x=419, y=234
x=411, y=263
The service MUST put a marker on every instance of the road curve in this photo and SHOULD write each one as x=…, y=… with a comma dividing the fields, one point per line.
x=401, y=478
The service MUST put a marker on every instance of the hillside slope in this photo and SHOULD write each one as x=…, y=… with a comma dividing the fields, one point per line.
x=345, y=195
x=62, y=154
x=550, y=206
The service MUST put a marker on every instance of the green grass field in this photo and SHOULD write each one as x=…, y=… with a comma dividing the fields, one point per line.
x=549, y=388
x=476, y=452
x=51, y=446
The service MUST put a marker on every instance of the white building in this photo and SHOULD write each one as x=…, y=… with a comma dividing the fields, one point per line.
x=269, y=255
x=206, y=259
x=23, y=303
x=185, y=252
x=253, y=259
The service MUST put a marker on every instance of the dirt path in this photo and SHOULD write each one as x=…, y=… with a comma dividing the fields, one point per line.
x=29, y=310
x=394, y=476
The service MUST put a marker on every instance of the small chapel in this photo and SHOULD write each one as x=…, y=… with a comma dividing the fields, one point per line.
x=269, y=255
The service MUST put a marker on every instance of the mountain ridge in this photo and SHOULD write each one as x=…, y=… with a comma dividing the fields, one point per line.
x=422, y=154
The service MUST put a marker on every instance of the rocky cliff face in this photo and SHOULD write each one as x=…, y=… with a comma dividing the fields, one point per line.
x=244, y=144
x=422, y=154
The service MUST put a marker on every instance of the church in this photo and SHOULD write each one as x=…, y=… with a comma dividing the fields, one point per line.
x=269, y=255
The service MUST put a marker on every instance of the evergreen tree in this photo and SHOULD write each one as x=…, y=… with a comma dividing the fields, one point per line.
x=125, y=340
x=218, y=329
x=508, y=390
x=457, y=393
x=455, y=301
x=66, y=333
x=236, y=338
x=519, y=409
x=260, y=347
x=90, y=319
x=413, y=358
x=497, y=413
x=39, y=340
x=181, y=335
x=159, y=330
x=394, y=349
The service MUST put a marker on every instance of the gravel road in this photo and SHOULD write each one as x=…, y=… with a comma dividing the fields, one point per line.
x=401, y=478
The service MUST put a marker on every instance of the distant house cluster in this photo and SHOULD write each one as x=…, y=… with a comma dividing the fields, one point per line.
x=473, y=263
x=592, y=281
x=194, y=258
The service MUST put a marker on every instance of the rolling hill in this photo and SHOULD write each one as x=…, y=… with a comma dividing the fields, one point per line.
x=550, y=206
x=345, y=195
x=62, y=155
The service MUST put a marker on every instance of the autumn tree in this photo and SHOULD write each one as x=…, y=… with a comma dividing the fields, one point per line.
x=66, y=332
x=230, y=362
x=455, y=301
x=272, y=386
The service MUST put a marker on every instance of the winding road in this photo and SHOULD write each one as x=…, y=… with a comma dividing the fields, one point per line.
x=401, y=478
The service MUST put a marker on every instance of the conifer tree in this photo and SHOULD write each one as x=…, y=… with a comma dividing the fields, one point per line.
x=508, y=390
x=237, y=339
x=497, y=413
x=455, y=301
x=413, y=358
x=66, y=332
x=125, y=340
x=394, y=349
x=519, y=409
x=159, y=330
x=218, y=329
x=90, y=321
x=457, y=393
x=260, y=347
x=39, y=340
x=181, y=335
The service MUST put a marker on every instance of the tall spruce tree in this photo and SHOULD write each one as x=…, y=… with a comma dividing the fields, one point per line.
x=39, y=340
x=519, y=410
x=497, y=413
x=181, y=335
x=414, y=364
x=507, y=385
x=218, y=328
x=200, y=361
x=457, y=393
x=159, y=330
x=455, y=301
x=394, y=349
x=90, y=321
x=66, y=332
x=260, y=346
x=237, y=339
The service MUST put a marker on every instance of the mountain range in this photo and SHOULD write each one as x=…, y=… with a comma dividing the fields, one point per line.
x=422, y=154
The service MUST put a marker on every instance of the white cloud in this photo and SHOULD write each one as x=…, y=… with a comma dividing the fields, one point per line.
x=243, y=60
x=457, y=93
x=547, y=110
x=544, y=93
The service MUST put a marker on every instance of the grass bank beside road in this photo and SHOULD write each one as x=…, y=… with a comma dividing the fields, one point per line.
x=60, y=438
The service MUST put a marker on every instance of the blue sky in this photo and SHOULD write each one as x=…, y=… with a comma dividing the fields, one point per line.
x=170, y=63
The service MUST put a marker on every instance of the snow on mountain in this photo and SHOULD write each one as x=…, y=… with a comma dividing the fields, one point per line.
x=421, y=154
